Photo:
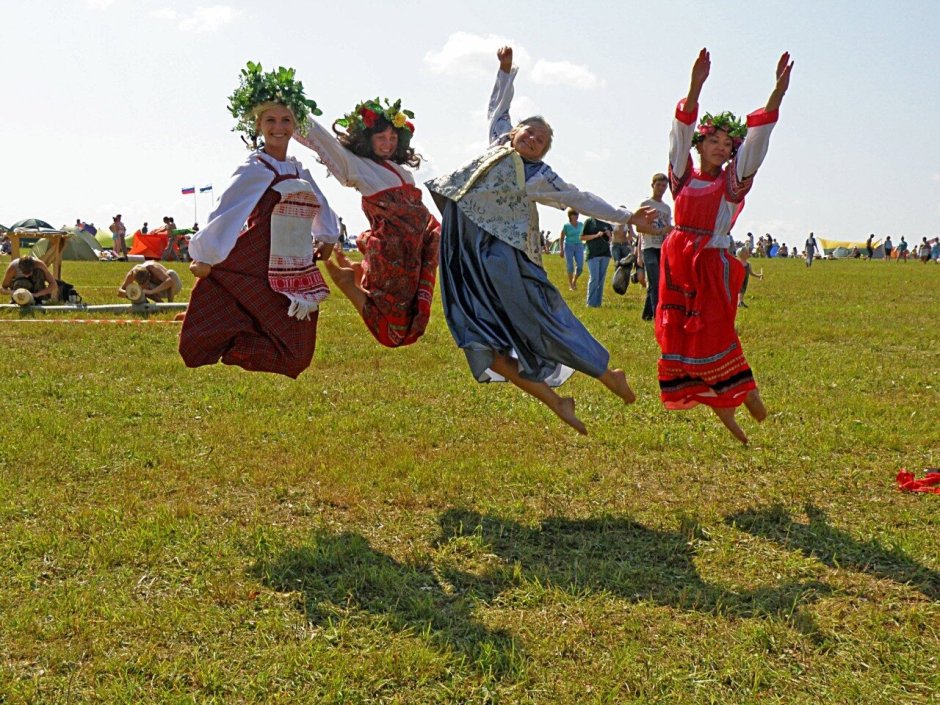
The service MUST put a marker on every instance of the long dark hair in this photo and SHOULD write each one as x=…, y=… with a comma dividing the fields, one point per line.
x=360, y=143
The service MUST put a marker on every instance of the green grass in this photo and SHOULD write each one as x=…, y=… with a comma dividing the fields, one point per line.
x=385, y=530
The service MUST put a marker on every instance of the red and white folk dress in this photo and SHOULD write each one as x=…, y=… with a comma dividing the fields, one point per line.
x=702, y=360
x=239, y=314
x=400, y=250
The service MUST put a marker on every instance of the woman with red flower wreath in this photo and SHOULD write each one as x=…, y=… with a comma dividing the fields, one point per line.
x=702, y=361
x=393, y=286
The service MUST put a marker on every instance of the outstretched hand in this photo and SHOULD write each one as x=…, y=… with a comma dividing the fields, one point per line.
x=784, y=67
x=644, y=217
x=701, y=68
x=504, y=54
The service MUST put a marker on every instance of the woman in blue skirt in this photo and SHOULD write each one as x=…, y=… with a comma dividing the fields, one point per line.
x=502, y=310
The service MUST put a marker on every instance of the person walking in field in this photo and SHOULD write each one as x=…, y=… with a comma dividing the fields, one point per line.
x=811, y=249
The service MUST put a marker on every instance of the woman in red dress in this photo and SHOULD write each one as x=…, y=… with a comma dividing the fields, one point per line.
x=702, y=360
x=393, y=286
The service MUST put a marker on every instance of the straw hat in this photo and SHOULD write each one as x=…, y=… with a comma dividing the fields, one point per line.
x=135, y=293
x=23, y=297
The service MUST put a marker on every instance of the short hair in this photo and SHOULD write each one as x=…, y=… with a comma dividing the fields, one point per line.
x=27, y=265
x=535, y=121
x=142, y=276
x=659, y=176
x=572, y=211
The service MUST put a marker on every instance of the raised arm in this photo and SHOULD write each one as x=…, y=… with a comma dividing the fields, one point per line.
x=784, y=67
x=339, y=160
x=761, y=123
x=501, y=97
x=700, y=70
x=683, y=126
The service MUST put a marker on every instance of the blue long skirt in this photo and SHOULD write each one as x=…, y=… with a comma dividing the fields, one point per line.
x=497, y=301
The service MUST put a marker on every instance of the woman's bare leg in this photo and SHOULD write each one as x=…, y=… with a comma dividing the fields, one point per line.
x=562, y=406
x=755, y=405
x=345, y=279
x=616, y=381
x=726, y=414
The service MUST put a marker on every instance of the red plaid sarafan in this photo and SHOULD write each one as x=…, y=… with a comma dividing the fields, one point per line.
x=234, y=315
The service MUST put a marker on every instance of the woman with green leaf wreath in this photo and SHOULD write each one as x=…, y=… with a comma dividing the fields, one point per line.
x=256, y=302
x=393, y=286
x=702, y=360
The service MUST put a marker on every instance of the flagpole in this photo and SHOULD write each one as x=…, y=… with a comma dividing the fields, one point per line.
x=195, y=209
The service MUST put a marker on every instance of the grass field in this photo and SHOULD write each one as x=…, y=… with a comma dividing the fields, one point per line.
x=385, y=530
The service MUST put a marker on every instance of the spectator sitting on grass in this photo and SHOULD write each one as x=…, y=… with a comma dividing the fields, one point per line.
x=154, y=281
x=32, y=275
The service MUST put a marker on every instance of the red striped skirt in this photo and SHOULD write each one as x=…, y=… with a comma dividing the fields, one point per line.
x=702, y=361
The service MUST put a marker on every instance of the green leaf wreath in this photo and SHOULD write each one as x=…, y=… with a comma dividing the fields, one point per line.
x=255, y=86
x=726, y=122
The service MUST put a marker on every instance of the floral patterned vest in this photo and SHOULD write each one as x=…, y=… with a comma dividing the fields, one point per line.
x=490, y=191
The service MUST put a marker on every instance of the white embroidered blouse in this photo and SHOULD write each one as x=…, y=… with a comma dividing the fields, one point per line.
x=213, y=243
x=365, y=175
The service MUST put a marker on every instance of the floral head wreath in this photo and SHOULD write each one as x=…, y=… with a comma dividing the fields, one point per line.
x=367, y=113
x=256, y=87
x=726, y=122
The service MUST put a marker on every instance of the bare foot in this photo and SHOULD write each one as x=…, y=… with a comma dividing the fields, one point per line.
x=726, y=414
x=342, y=258
x=755, y=405
x=616, y=381
x=341, y=276
x=345, y=279
x=565, y=411
x=357, y=274
x=180, y=317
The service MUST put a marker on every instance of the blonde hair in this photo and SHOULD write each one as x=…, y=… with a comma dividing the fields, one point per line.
x=259, y=110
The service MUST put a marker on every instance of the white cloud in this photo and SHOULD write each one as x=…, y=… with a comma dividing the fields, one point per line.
x=472, y=54
x=936, y=177
x=201, y=19
x=564, y=73
x=99, y=4
x=164, y=14
x=602, y=156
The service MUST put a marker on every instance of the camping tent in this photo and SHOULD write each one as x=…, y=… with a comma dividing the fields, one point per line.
x=80, y=246
x=151, y=245
x=843, y=248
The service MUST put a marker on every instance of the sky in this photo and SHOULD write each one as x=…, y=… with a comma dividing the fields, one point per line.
x=113, y=106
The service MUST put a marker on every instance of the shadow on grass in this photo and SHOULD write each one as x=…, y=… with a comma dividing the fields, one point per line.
x=336, y=572
x=620, y=557
x=836, y=548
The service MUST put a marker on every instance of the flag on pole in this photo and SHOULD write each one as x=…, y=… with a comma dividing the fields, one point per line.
x=188, y=190
x=203, y=189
